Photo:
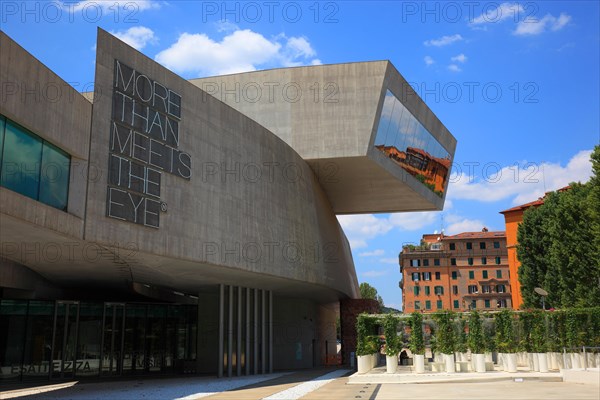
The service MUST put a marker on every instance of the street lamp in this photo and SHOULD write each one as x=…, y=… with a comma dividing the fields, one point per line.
x=542, y=293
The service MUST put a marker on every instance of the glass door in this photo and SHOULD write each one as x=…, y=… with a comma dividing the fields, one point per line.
x=64, y=339
x=113, y=322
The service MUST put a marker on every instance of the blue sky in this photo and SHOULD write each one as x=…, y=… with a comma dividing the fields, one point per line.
x=517, y=83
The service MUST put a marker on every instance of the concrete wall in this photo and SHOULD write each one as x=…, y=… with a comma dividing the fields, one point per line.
x=36, y=98
x=284, y=211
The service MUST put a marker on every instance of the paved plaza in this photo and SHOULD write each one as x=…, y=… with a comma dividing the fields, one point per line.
x=315, y=384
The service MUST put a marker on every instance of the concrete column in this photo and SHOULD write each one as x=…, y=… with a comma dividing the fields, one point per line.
x=230, y=331
x=255, y=354
x=263, y=337
x=221, y=327
x=270, y=331
x=238, y=355
x=247, y=355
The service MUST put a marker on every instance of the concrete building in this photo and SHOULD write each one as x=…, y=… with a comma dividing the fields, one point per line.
x=154, y=227
x=459, y=273
x=512, y=219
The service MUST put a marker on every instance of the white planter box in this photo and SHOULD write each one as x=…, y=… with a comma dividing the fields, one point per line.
x=534, y=364
x=450, y=366
x=479, y=362
x=576, y=361
x=419, y=363
x=365, y=364
x=462, y=366
x=511, y=362
x=391, y=364
x=542, y=362
x=489, y=358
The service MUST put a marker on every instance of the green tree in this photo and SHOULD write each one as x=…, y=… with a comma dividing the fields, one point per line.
x=559, y=245
x=369, y=292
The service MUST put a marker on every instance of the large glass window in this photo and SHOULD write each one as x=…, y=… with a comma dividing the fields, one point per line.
x=21, y=161
x=54, y=177
x=402, y=138
x=33, y=167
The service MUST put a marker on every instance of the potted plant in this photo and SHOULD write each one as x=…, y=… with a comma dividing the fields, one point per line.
x=538, y=340
x=445, y=338
x=572, y=325
x=476, y=341
x=364, y=344
x=416, y=344
x=505, y=340
x=392, y=343
x=461, y=340
x=488, y=338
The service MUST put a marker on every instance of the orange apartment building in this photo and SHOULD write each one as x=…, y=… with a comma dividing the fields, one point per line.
x=459, y=273
x=512, y=218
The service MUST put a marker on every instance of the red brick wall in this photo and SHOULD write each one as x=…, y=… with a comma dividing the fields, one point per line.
x=349, y=310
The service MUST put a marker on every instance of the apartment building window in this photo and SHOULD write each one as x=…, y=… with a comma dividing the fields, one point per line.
x=452, y=246
x=471, y=274
x=436, y=262
x=483, y=260
x=454, y=289
x=453, y=261
x=436, y=246
x=498, y=273
x=482, y=245
x=426, y=276
x=498, y=260
x=473, y=289
x=438, y=290
x=486, y=289
x=416, y=290
x=470, y=260
x=469, y=246
x=439, y=305
x=415, y=263
x=415, y=276
x=487, y=303
x=496, y=245
x=454, y=275
x=484, y=274
x=417, y=305
x=501, y=303
x=426, y=262
x=427, y=305
x=456, y=304
x=473, y=304
x=500, y=289
x=427, y=290
x=438, y=276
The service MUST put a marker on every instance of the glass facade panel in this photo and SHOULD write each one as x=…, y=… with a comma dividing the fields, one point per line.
x=54, y=177
x=2, y=123
x=402, y=138
x=41, y=340
x=33, y=167
x=37, y=360
x=12, y=322
x=21, y=161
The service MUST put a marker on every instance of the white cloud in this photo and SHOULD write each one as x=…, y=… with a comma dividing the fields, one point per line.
x=111, y=7
x=500, y=13
x=454, y=68
x=137, y=36
x=443, y=41
x=316, y=61
x=533, y=26
x=413, y=221
x=523, y=184
x=428, y=60
x=239, y=51
x=461, y=58
x=378, y=252
x=375, y=273
x=360, y=228
x=389, y=260
x=459, y=224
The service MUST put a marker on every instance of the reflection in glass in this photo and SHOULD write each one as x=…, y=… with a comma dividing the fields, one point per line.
x=21, y=161
x=33, y=167
x=54, y=179
x=405, y=141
